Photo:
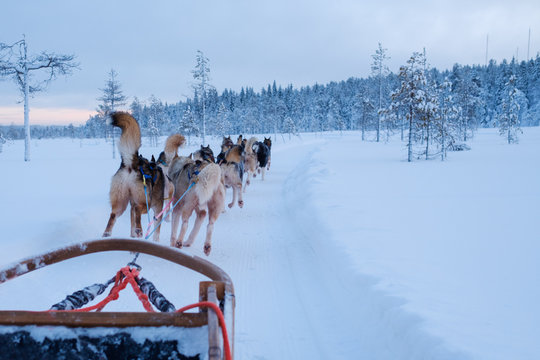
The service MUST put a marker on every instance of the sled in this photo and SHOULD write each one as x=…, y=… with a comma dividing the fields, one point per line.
x=117, y=335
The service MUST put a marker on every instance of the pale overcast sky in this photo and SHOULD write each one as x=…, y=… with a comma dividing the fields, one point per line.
x=152, y=44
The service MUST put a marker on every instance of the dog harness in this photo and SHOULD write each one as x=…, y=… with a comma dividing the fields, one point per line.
x=146, y=176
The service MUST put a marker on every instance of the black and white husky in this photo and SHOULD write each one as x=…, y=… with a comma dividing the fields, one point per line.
x=263, y=156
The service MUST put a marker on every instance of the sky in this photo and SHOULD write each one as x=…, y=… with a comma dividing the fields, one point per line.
x=152, y=45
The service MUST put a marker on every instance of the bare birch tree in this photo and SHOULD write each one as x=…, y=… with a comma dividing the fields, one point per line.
x=24, y=70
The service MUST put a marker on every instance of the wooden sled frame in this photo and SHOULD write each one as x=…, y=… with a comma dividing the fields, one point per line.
x=219, y=290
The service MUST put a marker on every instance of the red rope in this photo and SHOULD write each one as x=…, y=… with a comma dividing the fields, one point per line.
x=221, y=318
x=129, y=275
x=120, y=283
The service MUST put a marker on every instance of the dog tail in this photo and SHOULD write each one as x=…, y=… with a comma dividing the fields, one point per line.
x=130, y=140
x=249, y=145
x=172, y=144
x=209, y=181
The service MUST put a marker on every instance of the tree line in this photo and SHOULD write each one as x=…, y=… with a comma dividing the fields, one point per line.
x=428, y=107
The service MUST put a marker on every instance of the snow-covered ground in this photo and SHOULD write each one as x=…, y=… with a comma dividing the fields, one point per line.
x=345, y=251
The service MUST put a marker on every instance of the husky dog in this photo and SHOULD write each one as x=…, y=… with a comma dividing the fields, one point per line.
x=268, y=142
x=231, y=160
x=172, y=144
x=226, y=144
x=137, y=182
x=250, y=161
x=263, y=154
x=206, y=195
x=240, y=140
x=204, y=154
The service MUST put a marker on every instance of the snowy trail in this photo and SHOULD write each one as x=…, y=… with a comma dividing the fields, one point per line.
x=297, y=298
x=293, y=253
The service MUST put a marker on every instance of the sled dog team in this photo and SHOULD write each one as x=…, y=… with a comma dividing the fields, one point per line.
x=194, y=183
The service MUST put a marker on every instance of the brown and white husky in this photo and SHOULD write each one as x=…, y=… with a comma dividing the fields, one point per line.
x=231, y=161
x=172, y=144
x=137, y=182
x=199, y=185
x=250, y=161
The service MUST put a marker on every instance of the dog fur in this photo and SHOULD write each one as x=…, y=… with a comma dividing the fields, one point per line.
x=263, y=154
x=206, y=196
x=268, y=143
x=129, y=181
x=172, y=144
x=231, y=161
x=204, y=154
x=226, y=144
x=250, y=161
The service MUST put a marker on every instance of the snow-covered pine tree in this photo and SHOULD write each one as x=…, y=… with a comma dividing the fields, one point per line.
x=222, y=124
x=445, y=131
x=466, y=86
x=201, y=74
x=511, y=103
x=155, y=119
x=365, y=109
x=111, y=99
x=410, y=96
x=379, y=70
x=188, y=125
x=290, y=127
x=136, y=108
x=153, y=131
x=2, y=141
x=429, y=106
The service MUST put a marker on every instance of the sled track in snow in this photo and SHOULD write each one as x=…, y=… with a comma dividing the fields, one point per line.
x=317, y=306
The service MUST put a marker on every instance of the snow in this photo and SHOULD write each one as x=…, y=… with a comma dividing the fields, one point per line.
x=344, y=251
x=137, y=334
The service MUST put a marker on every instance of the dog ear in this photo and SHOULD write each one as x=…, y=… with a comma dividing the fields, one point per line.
x=153, y=159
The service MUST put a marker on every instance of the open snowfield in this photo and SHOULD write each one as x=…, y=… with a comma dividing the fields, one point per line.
x=345, y=251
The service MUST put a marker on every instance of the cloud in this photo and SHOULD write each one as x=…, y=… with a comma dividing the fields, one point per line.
x=152, y=45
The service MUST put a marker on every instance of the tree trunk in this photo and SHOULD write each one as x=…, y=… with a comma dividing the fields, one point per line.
x=443, y=138
x=409, y=150
x=427, y=139
x=402, y=128
x=26, y=111
x=379, y=110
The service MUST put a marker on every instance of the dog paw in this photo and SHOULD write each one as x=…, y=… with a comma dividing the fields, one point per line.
x=207, y=249
x=230, y=205
x=138, y=233
x=241, y=203
x=106, y=234
x=178, y=244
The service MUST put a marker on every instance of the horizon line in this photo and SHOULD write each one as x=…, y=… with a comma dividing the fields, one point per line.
x=61, y=116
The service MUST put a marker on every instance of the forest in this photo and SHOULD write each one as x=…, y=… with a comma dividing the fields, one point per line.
x=426, y=105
